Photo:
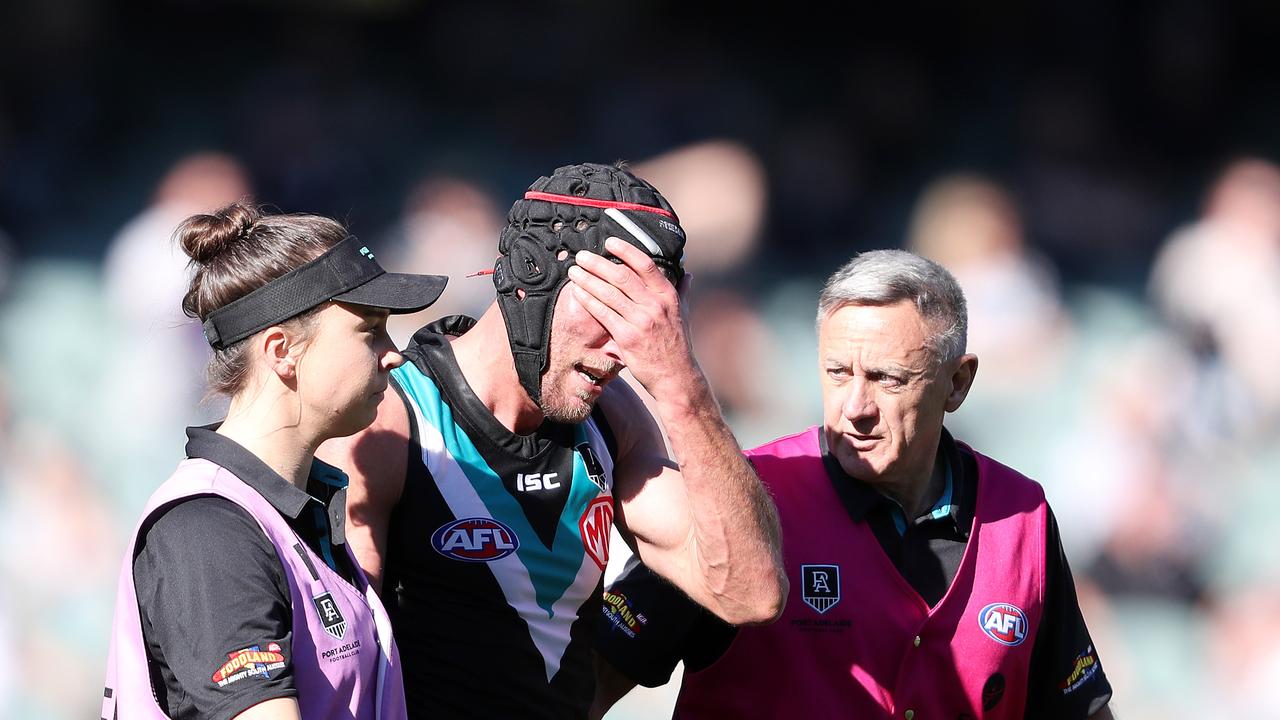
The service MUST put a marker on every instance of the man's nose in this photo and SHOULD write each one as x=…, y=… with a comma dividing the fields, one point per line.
x=611, y=350
x=859, y=403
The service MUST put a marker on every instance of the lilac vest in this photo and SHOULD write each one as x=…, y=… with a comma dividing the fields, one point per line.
x=345, y=662
x=855, y=640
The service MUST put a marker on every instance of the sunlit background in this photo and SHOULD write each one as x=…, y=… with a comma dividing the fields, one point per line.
x=1101, y=180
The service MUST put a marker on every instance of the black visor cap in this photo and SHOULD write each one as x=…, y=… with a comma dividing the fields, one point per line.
x=346, y=272
x=398, y=292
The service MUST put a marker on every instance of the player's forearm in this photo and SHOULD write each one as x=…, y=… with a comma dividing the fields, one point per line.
x=733, y=542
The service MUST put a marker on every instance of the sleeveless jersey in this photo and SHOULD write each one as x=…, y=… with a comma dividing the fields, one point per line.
x=495, y=552
x=857, y=640
x=345, y=663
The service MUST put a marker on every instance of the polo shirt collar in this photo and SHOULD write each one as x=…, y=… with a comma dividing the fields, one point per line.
x=859, y=498
x=287, y=498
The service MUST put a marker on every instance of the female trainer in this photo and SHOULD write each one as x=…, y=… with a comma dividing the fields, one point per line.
x=238, y=597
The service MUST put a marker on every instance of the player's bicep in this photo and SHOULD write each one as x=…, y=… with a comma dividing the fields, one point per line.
x=649, y=492
x=374, y=460
x=653, y=512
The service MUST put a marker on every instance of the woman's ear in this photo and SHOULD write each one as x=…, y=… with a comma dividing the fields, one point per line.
x=279, y=352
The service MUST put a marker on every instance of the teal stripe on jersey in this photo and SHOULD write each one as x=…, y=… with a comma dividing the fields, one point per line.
x=552, y=571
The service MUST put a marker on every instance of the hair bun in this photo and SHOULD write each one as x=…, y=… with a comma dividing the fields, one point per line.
x=205, y=237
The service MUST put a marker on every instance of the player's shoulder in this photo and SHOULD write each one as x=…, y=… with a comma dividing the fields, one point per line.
x=374, y=459
x=626, y=410
x=621, y=400
x=628, y=417
x=393, y=411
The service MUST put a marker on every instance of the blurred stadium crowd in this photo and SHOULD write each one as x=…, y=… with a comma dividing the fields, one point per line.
x=1113, y=215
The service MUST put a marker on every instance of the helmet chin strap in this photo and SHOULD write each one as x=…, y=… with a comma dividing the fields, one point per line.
x=530, y=340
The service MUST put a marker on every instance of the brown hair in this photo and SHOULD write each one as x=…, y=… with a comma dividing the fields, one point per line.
x=236, y=250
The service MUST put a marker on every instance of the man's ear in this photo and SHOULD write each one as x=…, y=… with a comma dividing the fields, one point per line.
x=966, y=368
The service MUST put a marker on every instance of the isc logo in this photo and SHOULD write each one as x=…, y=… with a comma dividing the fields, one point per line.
x=527, y=482
x=596, y=525
x=1004, y=623
x=475, y=540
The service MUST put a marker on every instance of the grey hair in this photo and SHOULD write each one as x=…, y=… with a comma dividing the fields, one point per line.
x=884, y=277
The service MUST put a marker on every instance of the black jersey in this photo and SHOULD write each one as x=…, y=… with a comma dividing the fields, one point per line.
x=495, y=551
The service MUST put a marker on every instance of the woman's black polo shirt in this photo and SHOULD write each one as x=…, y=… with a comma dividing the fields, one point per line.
x=210, y=583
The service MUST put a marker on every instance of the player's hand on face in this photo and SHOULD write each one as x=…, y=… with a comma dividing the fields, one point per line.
x=642, y=311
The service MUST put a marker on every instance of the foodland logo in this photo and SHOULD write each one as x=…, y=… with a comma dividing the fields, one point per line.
x=621, y=615
x=252, y=660
x=1004, y=623
x=475, y=540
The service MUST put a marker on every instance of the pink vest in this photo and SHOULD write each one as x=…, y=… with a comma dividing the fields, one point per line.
x=855, y=639
x=345, y=663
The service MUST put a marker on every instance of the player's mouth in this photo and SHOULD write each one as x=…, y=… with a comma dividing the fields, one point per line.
x=597, y=376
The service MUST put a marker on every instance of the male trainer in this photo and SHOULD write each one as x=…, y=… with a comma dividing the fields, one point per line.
x=927, y=580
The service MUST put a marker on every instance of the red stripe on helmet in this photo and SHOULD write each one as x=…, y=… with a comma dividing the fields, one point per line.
x=590, y=202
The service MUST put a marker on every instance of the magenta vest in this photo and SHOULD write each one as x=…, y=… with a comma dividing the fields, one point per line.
x=345, y=662
x=855, y=640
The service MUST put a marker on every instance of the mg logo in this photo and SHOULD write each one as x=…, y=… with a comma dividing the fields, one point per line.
x=595, y=526
x=1004, y=623
x=820, y=586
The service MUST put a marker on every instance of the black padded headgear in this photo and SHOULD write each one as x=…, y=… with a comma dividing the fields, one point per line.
x=577, y=208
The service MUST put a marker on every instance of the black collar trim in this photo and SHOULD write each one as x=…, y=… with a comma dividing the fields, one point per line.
x=205, y=443
x=431, y=352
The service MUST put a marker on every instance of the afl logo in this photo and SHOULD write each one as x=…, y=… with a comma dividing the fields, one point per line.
x=475, y=540
x=1004, y=623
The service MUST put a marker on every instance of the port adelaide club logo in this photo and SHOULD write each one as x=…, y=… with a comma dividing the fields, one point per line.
x=330, y=615
x=475, y=540
x=1004, y=623
x=820, y=586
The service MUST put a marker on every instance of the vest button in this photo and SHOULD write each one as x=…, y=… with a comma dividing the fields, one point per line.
x=909, y=714
x=917, y=641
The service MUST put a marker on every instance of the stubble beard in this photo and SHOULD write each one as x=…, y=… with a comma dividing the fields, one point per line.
x=567, y=410
x=564, y=407
x=570, y=407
